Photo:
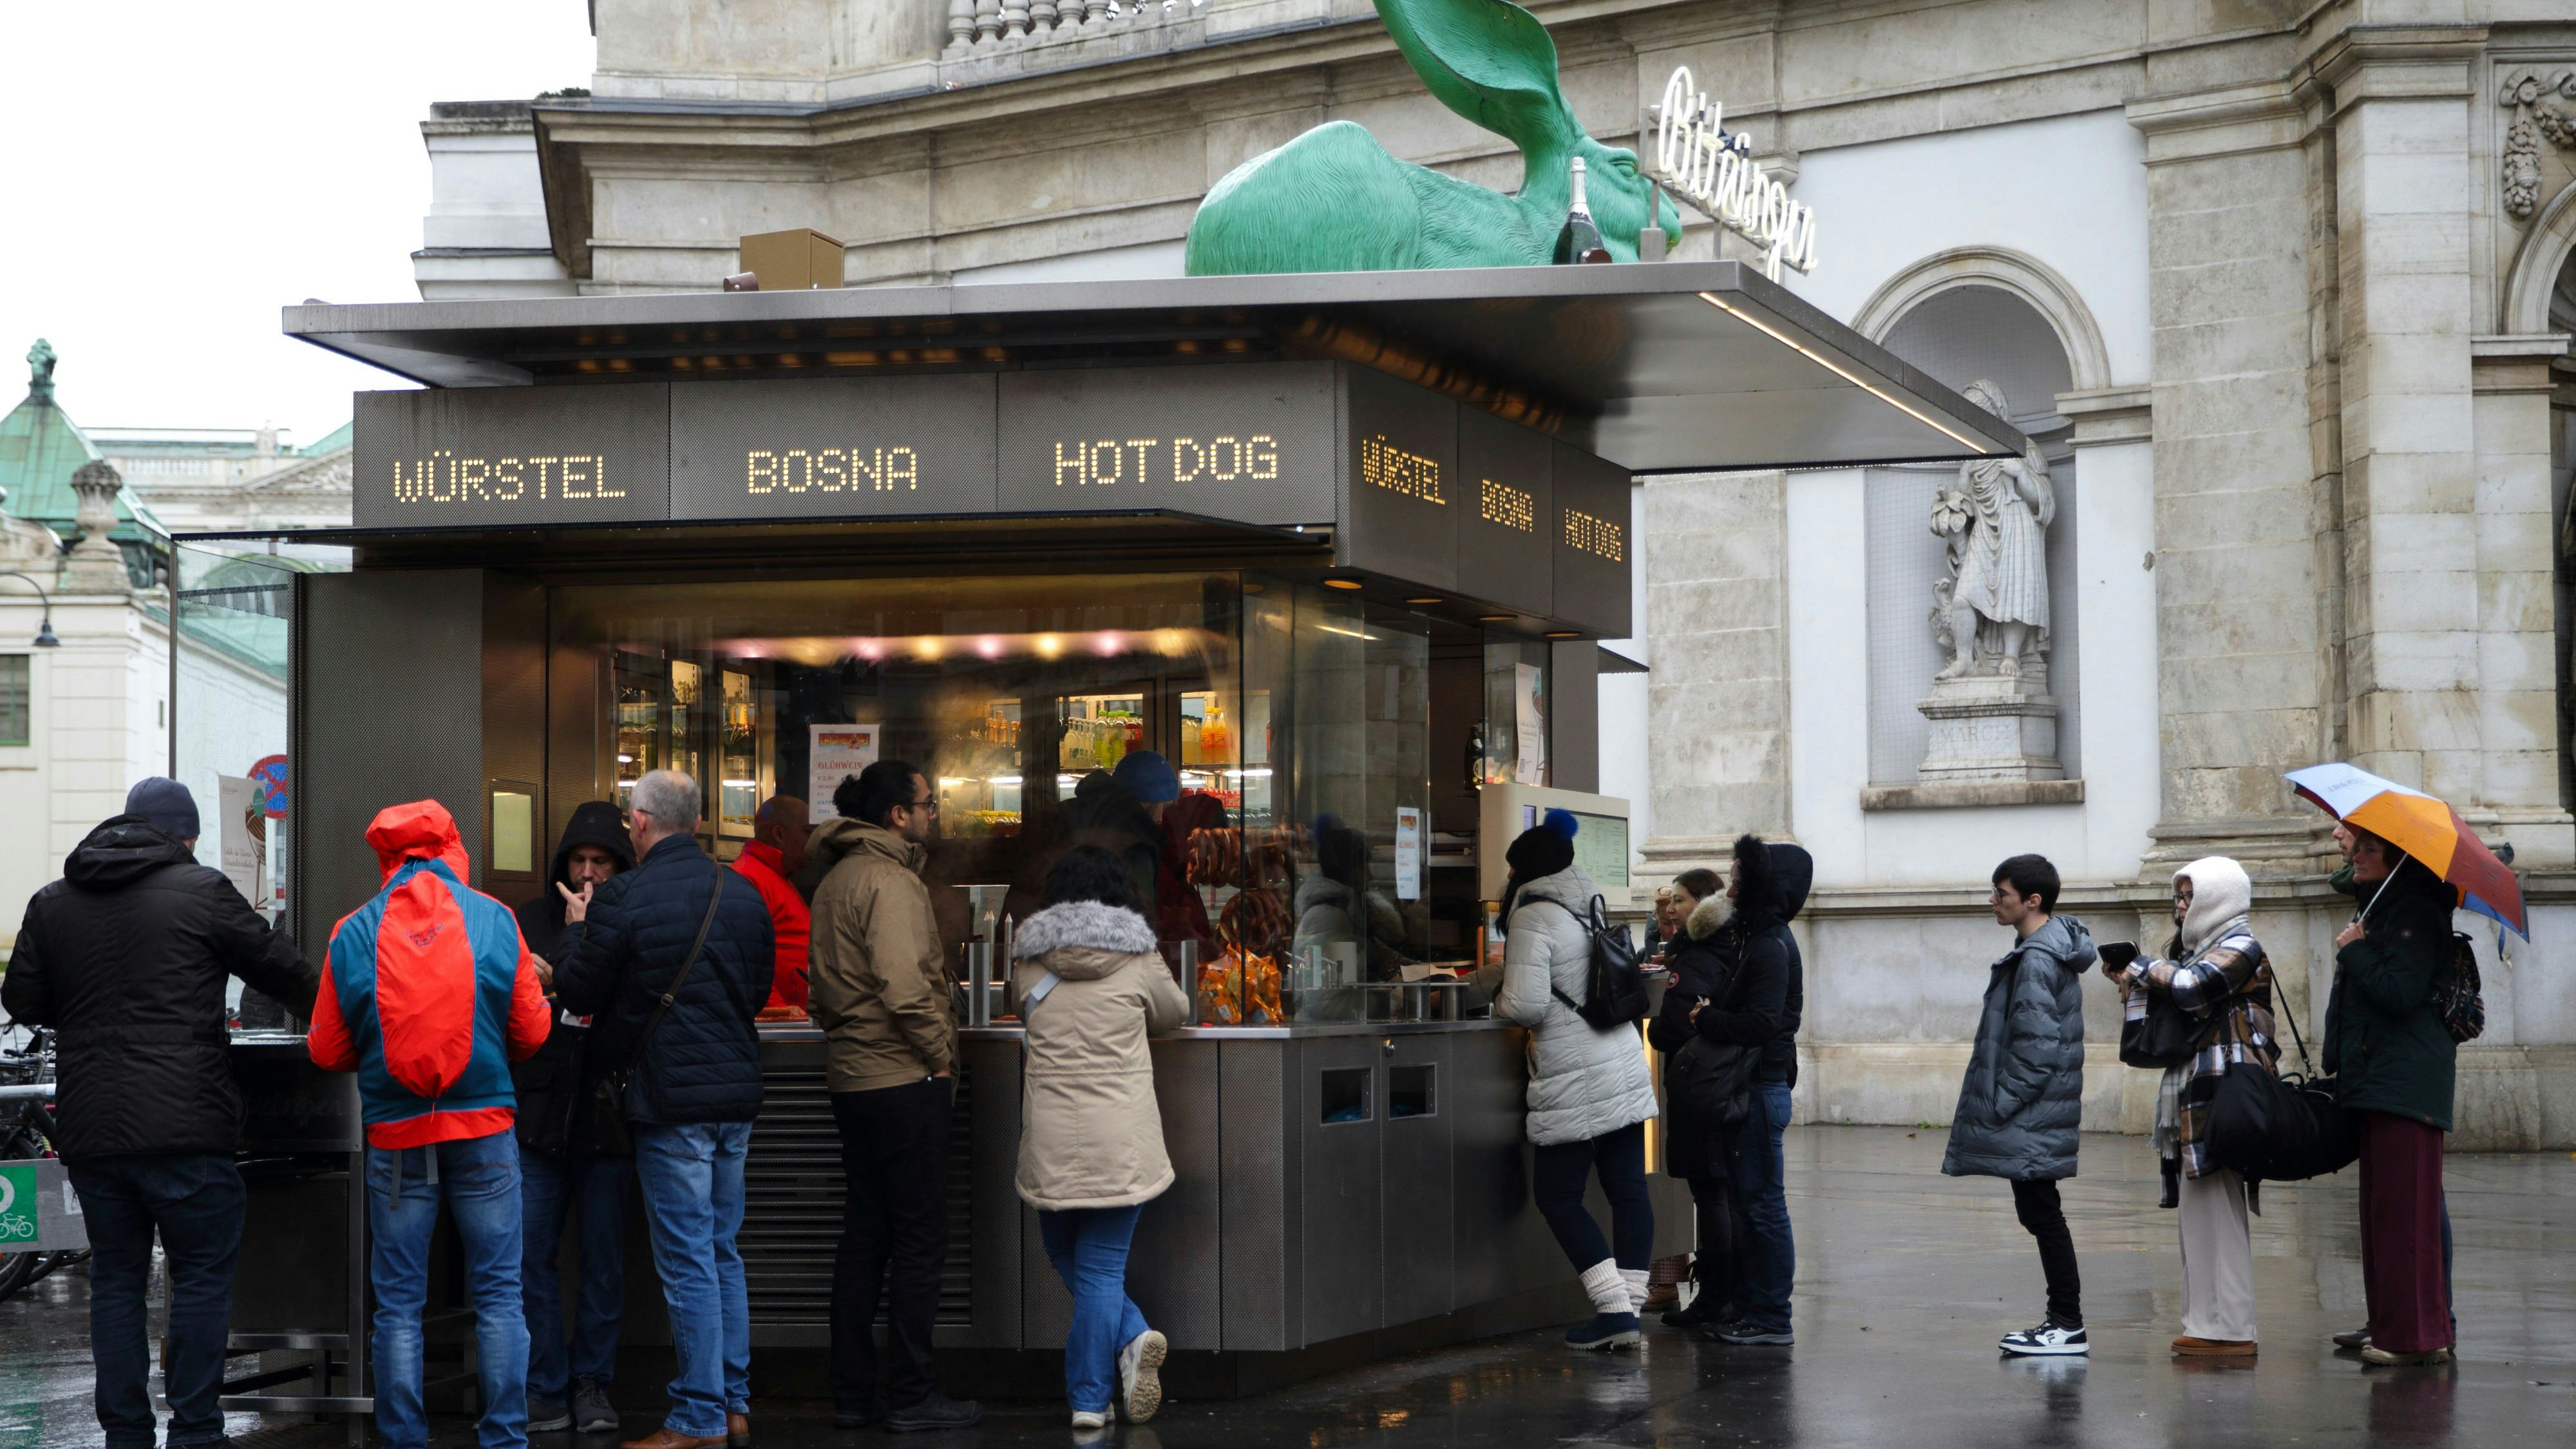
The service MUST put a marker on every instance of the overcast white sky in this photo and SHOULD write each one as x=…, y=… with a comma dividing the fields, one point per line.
x=177, y=171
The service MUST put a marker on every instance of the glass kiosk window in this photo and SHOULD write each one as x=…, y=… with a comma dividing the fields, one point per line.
x=1296, y=716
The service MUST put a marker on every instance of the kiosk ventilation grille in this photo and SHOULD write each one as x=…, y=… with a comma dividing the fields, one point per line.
x=791, y=1221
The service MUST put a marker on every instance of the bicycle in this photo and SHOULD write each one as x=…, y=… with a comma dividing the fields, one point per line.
x=27, y=1131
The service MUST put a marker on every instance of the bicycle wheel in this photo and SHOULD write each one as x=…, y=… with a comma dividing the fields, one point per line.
x=17, y=1270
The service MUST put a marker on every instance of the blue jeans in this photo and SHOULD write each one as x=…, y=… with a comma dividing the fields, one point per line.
x=479, y=1179
x=1089, y=1249
x=592, y=1192
x=692, y=1179
x=1557, y=1179
x=195, y=1200
x=1770, y=1251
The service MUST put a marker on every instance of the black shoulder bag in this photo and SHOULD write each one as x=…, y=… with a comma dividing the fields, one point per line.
x=2287, y=1128
x=608, y=1130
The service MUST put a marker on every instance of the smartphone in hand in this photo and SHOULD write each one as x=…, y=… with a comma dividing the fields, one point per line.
x=2117, y=954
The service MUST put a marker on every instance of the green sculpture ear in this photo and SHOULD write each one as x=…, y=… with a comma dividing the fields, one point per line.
x=1491, y=62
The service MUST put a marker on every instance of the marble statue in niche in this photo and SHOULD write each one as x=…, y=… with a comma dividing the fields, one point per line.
x=1993, y=721
x=1990, y=608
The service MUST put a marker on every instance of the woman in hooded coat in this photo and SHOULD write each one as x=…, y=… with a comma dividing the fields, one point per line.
x=1701, y=964
x=1589, y=1093
x=1761, y=1008
x=1092, y=986
x=2216, y=972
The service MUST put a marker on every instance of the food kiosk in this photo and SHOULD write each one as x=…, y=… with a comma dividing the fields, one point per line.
x=1340, y=547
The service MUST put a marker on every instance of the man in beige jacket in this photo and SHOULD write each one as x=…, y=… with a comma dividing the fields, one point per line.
x=881, y=994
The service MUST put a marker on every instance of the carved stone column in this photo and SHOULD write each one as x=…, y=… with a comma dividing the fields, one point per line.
x=96, y=565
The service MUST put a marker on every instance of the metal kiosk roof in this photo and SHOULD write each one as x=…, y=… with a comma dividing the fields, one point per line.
x=1498, y=412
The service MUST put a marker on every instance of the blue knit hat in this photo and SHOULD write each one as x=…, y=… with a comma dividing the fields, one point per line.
x=1147, y=776
x=1562, y=822
x=166, y=803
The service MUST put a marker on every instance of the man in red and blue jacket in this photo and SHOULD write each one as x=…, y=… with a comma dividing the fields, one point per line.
x=428, y=995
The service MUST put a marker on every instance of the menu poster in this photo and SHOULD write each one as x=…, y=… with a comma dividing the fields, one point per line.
x=244, y=808
x=836, y=752
x=1530, y=718
x=1408, y=852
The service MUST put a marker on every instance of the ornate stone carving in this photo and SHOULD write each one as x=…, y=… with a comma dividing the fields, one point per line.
x=2534, y=117
x=96, y=565
x=1991, y=714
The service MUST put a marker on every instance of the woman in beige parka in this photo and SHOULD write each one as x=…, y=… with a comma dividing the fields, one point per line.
x=1092, y=986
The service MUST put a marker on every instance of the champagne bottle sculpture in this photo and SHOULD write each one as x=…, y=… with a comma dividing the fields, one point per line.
x=1579, y=241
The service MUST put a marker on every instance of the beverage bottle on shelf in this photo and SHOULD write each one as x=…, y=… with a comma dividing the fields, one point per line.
x=1579, y=241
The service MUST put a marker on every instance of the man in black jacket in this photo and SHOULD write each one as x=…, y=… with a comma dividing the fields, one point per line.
x=125, y=958
x=696, y=1086
x=1762, y=1008
x=562, y=1173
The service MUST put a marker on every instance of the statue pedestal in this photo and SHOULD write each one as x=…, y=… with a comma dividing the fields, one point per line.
x=1990, y=727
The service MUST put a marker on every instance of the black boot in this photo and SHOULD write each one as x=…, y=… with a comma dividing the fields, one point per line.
x=1703, y=1309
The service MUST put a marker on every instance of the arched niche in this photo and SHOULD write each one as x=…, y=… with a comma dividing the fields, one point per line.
x=2026, y=277
x=2532, y=286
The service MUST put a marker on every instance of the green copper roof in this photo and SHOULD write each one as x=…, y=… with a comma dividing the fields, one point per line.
x=330, y=442
x=40, y=449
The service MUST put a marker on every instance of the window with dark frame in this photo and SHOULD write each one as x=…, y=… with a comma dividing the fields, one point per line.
x=17, y=700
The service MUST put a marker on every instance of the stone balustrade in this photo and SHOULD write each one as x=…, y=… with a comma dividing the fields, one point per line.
x=983, y=27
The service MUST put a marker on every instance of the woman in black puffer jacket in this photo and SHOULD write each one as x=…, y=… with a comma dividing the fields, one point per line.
x=1701, y=965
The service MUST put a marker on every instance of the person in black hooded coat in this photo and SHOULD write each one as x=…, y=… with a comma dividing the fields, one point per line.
x=563, y=1176
x=125, y=958
x=1701, y=967
x=1762, y=1007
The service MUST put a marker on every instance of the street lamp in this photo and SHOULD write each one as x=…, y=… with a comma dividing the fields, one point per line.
x=45, y=623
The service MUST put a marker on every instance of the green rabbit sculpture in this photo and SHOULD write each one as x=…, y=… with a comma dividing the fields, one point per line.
x=1334, y=200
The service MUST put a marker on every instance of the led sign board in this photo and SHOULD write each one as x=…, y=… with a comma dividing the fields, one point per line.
x=1252, y=442
x=1415, y=486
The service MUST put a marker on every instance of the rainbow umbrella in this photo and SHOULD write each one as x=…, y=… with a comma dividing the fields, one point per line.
x=2424, y=828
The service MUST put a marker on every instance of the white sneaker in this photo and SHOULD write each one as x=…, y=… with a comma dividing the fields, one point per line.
x=1140, y=1376
x=1086, y=1421
x=2050, y=1339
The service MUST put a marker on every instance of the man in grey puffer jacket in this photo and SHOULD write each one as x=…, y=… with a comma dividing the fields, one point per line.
x=2022, y=1103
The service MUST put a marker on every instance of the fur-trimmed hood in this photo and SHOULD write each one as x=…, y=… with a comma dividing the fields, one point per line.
x=1085, y=940
x=1707, y=917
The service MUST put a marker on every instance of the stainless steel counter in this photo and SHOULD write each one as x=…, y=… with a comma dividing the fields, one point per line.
x=1332, y=1180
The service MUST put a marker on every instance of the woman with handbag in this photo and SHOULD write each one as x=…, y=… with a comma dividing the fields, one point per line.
x=1091, y=987
x=1701, y=962
x=2215, y=987
x=2394, y=1063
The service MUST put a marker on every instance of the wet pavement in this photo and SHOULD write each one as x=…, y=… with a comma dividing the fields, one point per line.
x=1905, y=1278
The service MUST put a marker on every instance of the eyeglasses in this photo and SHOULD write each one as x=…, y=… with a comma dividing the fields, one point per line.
x=925, y=805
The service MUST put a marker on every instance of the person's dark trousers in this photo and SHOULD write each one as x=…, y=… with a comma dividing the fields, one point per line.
x=1718, y=1268
x=1557, y=1183
x=2401, y=1233
x=195, y=1202
x=894, y=1239
x=1770, y=1251
x=2036, y=1203
x=592, y=1193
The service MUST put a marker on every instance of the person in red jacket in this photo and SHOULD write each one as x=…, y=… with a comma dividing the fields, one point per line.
x=428, y=994
x=770, y=863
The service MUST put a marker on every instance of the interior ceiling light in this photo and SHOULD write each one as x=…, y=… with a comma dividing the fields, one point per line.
x=1423, y=601
x=1844, y=373
x=1495, y=618
x=1563, y=634
x=1341, y=583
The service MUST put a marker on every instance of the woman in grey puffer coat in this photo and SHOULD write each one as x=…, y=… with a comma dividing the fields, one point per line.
x=2022, y=1104
x=1589, y=1093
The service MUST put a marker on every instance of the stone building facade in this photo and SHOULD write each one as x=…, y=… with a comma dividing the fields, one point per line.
x=2282, y=289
